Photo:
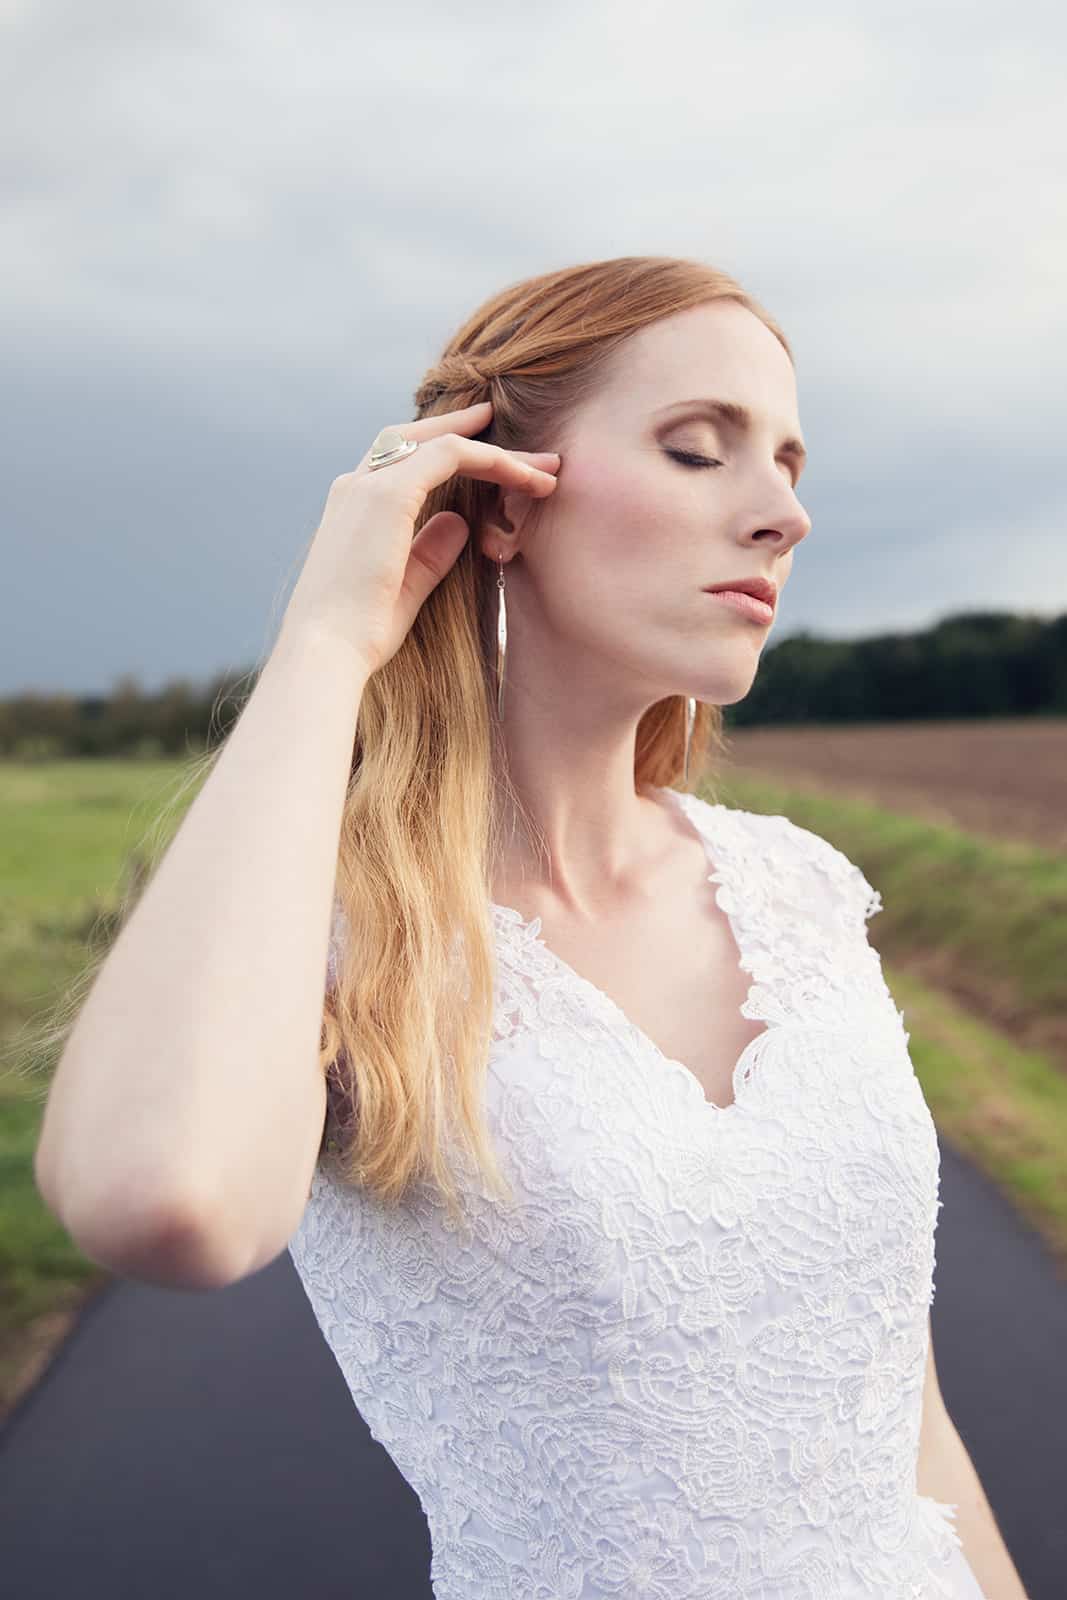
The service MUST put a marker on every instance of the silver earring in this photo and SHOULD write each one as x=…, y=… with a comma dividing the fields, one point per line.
x=501, y=639
x=690, y=714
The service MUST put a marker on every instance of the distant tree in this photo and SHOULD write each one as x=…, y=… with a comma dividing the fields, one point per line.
x=973, y=664
x=970, y=664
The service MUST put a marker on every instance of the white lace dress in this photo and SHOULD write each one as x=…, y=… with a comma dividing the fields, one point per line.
x=688, y=1364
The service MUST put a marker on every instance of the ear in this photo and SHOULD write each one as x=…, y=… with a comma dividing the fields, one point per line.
x=504, y=521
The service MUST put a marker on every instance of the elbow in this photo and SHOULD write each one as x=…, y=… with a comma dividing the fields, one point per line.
x=166, y=1241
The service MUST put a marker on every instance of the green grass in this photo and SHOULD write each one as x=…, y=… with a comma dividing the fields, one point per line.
x=70, y=832
x=43, y=1276
x=1003, y=1107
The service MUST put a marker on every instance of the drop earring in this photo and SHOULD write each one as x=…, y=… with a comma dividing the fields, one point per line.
x=501, y=640
x=690, y=716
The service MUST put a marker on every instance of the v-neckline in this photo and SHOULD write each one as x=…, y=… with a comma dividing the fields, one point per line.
x=531, y=931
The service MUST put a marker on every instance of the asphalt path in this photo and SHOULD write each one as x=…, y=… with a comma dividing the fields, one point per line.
x=189, y=1444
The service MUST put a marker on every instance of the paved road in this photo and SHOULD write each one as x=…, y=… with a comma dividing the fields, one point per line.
x=204, y=1445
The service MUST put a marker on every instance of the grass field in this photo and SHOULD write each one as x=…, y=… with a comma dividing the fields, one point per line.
x=973, y=940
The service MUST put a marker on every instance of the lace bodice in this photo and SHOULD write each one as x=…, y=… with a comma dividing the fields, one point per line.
x=688, y=1363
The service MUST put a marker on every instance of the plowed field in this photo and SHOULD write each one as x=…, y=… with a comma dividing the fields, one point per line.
x=1003, y=777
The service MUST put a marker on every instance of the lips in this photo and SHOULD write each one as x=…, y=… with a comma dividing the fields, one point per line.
x=760, y=588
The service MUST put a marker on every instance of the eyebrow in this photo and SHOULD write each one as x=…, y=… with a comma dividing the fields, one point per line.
x=740, y=417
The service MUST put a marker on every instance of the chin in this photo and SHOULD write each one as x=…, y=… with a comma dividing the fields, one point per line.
x=726, y=690
x=729, y=699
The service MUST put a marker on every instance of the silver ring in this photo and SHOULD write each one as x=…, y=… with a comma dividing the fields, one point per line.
x=390, y=446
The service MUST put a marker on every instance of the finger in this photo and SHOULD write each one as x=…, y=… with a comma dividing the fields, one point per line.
x=469, y=419
x=434, y=550
x=451, y=453
x=411, y=479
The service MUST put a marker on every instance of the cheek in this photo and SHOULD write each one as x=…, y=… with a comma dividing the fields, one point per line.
x=619, y=509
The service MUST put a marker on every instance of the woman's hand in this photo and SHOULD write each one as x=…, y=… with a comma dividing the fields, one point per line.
x=367, y=574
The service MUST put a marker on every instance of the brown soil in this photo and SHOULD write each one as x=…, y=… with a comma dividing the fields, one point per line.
x=1002, y=777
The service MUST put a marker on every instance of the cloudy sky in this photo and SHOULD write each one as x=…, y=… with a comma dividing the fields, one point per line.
x=236, y=234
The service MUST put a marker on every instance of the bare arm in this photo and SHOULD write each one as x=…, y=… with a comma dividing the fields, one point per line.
x=186, y=1113
x=946, y=1473
x=190, y=1091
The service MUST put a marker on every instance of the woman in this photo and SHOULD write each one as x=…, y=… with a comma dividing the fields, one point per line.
x=613, y=1189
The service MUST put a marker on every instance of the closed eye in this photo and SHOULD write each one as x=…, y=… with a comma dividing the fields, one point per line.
x=689, y=458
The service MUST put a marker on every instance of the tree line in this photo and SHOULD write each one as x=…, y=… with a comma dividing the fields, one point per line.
x=971, y=664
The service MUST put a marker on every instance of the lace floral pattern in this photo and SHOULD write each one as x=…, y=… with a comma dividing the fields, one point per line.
x=687, y=1363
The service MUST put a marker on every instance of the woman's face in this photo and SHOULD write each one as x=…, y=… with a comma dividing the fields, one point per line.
x=614, y=565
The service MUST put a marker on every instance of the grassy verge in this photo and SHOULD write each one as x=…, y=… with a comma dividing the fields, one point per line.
x=69, y=831
x=44, y=1278
x=981, y=920
x=987, y=921
x=1003, y=1107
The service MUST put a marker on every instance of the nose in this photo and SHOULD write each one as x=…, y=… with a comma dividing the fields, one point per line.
x=800, y=523
x=788, y=528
